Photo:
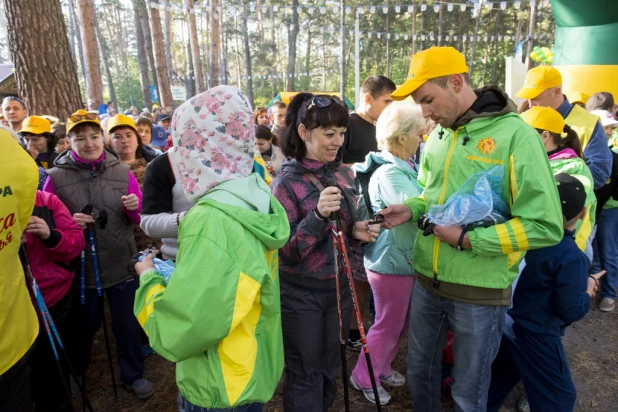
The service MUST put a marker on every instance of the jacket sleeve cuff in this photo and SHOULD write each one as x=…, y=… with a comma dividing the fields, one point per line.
x=53, y=240
x=314, y=226
x=417, y=206
x=150, y=276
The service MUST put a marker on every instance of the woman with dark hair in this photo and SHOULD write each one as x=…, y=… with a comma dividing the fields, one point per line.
x=260, y=117
x=268, y=150
x=40, y=142
x=565, y=156
x=124, y=139
x=311, y=186
x=59, y=130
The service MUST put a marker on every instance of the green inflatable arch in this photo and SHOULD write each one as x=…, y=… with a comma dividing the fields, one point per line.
x=586, y=45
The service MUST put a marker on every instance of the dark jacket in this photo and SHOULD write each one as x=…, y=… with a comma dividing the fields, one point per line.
x=78, y=184
x=307, y=259
x=551, y=292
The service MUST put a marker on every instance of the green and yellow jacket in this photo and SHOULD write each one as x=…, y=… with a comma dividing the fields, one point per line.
x=219, y=318
x=490, y=133
x=567, y=161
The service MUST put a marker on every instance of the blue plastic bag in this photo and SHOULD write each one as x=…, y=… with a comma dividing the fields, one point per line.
x=165, y=268
x=476, y=203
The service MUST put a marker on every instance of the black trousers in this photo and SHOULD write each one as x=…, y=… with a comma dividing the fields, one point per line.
x=15, y=387
x=310, y=323
x=46, y=383
x=86, y=321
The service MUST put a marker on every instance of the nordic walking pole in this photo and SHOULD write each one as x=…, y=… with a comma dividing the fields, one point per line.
x=334, y=224
x=344, y=364
x=49, y=326
x=359, y=318
x=95, y=264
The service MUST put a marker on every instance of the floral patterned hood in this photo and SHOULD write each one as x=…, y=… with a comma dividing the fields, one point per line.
x=213, y=135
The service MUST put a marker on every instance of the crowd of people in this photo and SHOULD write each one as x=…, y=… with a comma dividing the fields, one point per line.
x=247, y=205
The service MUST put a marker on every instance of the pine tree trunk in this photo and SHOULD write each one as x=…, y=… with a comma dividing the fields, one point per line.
x=308, y=59
x=413, y=27
x=94, y=84
x=245, y=38
x=167, y=23
x=195, y=50
x=292, y=35
x=215, y=44
x=147, y=42
x=531, y=35
x=165, y=96
x=71, y=32
x=388, y=42
x=78, y=41
x=343, y=79
x=476, y=30
x=104, y=58
x=141, y=57
x=440, y=23
x=45, y=91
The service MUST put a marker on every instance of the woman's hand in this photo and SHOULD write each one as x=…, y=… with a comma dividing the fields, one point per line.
x=33, y=152
x=365, y=232
x=130, y=202
x=146, y=263
x=38, y=227
x=330, y=201
x=82, y=219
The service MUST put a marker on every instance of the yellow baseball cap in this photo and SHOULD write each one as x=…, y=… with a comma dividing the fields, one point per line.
x=35, y=125
x=429, y=64
x=538, y=80
x=579, y=97
x=155, y=106
x=81, y=116
x=120, y=120
x=544, y=118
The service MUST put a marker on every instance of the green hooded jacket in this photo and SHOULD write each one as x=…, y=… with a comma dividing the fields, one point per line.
x=490, y=133
x=219, y=318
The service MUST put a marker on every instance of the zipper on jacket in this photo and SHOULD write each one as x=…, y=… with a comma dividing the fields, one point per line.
x=436, y=244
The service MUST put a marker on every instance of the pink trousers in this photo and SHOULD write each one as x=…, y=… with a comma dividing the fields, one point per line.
x=392, y=295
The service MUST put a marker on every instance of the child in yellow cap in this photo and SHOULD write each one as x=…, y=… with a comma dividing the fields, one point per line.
x=40, y=143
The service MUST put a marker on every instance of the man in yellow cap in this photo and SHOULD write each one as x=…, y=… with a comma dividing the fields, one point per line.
x=464, y=276
x=543, y=87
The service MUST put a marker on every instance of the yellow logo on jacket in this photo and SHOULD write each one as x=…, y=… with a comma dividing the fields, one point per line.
x=487, y=145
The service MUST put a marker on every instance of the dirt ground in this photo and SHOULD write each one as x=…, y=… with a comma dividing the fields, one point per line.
x=591, y=346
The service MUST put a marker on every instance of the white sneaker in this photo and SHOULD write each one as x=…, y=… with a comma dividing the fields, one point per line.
x=393, y=379
x=385, y=397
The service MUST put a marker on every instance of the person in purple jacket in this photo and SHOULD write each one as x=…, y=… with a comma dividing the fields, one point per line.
x=314, y=132
x=90, y=175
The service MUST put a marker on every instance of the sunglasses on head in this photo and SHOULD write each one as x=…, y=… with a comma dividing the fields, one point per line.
x=15, y=98
x=79, y=117
x=322, y=101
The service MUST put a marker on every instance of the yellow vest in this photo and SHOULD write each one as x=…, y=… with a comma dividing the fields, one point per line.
x=19, y=177
x=583, y=123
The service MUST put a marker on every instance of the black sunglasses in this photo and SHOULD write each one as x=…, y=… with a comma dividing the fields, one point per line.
x=322, y=101
x=15, y=98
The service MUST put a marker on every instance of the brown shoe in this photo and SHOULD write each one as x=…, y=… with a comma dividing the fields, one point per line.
x=607, y=305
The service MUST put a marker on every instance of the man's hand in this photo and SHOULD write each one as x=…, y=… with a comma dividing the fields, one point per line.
x=593, y=283
x=146, y=263
x=451, y=234
x=38, y=227
x=395, y=215
x=130, y=202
